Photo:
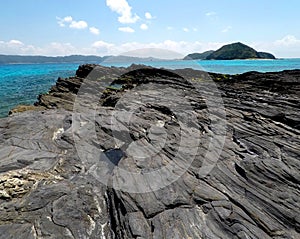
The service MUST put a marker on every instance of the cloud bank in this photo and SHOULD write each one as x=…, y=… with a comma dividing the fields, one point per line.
x=288, y=46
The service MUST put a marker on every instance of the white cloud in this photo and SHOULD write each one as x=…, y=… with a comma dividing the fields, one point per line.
x=94, y=30
x=78, y=25
x=101, y=44
x=68, y=19
x=288, y=40
x=102, y=48
x=16, y=43
x=227, y=29
x=126, y=29
x=124, y=10
x=182, y=47
x=16, y=47
x=170, y=28
x=185, y=29
x=61, y=24
x=58, y=48
x=144, y=27
x=62, y=21
x=148, y=16
x=288, y=46
x=210, y=14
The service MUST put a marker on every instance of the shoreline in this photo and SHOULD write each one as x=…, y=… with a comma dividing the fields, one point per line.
x=144, y=61
x=138, y=162
x=218, y=78
x=7, y=109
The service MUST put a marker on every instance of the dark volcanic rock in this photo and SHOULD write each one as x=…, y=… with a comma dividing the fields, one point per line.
x=63, y=168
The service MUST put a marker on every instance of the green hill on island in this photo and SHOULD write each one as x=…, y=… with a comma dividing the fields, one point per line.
x=198, y=56
x=230, y=52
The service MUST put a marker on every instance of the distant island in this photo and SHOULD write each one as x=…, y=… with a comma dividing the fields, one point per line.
x=20, y=59
x=199, y=56
x=230, y=52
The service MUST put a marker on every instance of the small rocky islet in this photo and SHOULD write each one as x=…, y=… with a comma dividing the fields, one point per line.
x=252, y=190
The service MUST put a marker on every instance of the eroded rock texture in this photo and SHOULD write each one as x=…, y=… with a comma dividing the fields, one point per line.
x=61, y=168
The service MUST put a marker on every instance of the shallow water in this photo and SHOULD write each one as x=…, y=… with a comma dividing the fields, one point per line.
x=22, y=83
x=224, y=67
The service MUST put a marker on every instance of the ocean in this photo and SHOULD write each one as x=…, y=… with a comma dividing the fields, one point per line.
x=22, y=83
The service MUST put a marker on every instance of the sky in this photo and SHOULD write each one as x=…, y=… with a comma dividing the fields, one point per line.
x=113, y=27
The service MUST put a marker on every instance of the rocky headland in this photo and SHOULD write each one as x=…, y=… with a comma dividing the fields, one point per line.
x=233, y=142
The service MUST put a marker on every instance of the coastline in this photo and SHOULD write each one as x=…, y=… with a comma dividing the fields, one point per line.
x=62, y=69
x=128, y=119
x=62, y=167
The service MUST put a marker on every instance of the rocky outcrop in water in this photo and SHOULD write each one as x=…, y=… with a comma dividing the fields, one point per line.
x=147, y=153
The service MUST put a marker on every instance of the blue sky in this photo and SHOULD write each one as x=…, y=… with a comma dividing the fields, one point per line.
x=104, y=27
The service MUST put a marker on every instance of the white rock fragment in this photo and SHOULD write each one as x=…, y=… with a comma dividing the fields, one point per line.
x=83, y=123
x=57, y=133
x=160, y=124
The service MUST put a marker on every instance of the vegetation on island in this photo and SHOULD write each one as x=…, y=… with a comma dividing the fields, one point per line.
x=230, y=52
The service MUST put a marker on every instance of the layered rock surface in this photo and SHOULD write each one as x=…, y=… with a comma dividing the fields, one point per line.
x=62, y=166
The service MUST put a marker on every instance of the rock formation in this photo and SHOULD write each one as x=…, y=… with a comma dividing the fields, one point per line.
x=62, y=167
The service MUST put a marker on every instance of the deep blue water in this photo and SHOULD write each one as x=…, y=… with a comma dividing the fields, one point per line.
x=22, y=83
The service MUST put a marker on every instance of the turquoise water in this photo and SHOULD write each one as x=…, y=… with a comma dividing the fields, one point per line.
x=224, y=67
x=21, y=84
